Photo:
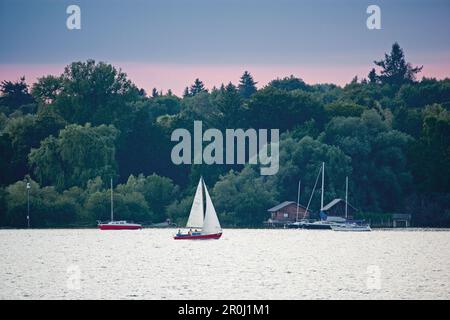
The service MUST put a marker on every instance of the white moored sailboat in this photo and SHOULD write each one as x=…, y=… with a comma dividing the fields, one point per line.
x=324, y=223
x=201, y=225
x=350, y=225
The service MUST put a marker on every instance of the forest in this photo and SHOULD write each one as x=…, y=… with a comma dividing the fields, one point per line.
x=68, y=135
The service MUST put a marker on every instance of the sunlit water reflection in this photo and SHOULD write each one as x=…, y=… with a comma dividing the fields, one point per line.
x=244, y=264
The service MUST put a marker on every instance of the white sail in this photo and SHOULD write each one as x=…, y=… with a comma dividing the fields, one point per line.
x=196, y=216
x=211, y=225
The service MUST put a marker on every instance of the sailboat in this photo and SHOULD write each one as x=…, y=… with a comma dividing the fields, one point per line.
x=298, y=223
x=350, y=225
x=323, y=223
x=201, y=225
x=117, y=225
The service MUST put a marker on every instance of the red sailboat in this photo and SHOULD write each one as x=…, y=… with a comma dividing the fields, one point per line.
x=202, y=226
x=117, y=225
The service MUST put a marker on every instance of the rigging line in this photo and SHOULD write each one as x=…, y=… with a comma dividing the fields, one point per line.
x=312, y=193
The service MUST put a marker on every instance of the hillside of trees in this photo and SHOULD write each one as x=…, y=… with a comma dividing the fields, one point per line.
x=68, y=135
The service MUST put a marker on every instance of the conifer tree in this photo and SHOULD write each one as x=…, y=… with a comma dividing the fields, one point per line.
x=395, y=69
x=247, y=86
x=372, y=76
x=197, y=87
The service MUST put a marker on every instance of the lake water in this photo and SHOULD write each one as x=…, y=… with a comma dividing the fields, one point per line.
x=244, y=264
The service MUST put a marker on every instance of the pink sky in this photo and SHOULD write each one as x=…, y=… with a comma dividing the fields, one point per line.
x=178, y=76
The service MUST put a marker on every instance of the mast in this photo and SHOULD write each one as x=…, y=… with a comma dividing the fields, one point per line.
x=346, y=197
x=323, y=180
x=203, y=186
x=312, y=193
x=112, y=203
x=298, y=197
x=28, y=204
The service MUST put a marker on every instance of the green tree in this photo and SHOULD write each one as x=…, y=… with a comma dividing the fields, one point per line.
x=157, y=191
x=3, y=121
x=91, y=92
x=409, y=121
x=379, y=160
x=155, y=93
x=78, y=154
x=242, y=199
x=275, y=108
x=431, y=152
x=132, y=207
x=395, y=70
x=344, y=109
x=47, y=89
x=6, y=158
x=199, y=107
x=230, y=107
x=247, y=86
x=14, y=95
x=186, y=92
x=144, y=147
x=98, y=206
x=373, y=78
x=426, y=92
x=2, y=207
x=48, y=208
x=289, y=83
x=25, y=133
x=162, y=105
x=178, y=210
x=197, y=87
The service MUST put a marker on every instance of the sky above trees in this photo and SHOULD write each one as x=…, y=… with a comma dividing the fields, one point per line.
x=319, y=41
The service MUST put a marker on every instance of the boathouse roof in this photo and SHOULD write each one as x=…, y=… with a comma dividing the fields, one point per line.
x=282, y=205
x=335, y=202
x=401, y=216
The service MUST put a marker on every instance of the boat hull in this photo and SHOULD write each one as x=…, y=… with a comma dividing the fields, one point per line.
x=119, y=227
x=294, y=226
x=198, y=236
x=352, y=229
x=316, y=226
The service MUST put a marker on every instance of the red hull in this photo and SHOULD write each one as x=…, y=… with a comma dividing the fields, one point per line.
x=118, y=227
x=198, y=237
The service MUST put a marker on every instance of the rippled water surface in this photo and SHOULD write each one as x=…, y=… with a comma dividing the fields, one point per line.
x=244, y=264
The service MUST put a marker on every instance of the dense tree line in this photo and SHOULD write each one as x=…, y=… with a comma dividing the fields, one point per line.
x=68, y=135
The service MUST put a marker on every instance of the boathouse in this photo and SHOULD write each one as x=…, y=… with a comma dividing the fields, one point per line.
x=401, y=220
x=336, y=208
x=286, y=212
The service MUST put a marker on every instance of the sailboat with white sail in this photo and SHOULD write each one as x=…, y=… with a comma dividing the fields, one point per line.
x=202, y=224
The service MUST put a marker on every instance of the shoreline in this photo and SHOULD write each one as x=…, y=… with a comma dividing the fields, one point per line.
x=411, y=229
